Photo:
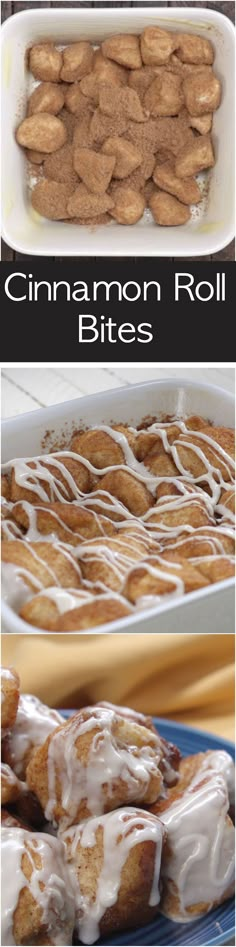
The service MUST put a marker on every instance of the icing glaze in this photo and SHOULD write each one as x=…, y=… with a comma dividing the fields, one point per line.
x=199, y=864
x=122, y=831
x=118, y=554
x=109, y=759
x=33, y=724
x=48, y=885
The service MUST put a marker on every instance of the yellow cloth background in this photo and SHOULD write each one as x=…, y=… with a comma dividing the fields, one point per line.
x=188, y=678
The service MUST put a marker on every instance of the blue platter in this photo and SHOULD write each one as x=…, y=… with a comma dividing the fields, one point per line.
x=218, y=927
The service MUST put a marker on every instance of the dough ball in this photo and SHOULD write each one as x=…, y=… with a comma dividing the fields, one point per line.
x=45, y=62
x=86, y=205
x=77, y=61
x=129, y=206
x=156, y=46
x=194, y=49
x=167, y=210
x=202, y=93
x=50, y=199
x=202, y=123
x=104, y=72
x=195, y=157
x=41, y=132
x=124, y=49
x=75, y=101
x=186, y=189
x=48, y=97
x=94, y=169
x=164, y=96
x=126, y=154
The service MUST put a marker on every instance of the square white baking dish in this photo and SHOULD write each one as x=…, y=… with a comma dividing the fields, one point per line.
x=211, y=228
x=208, y=610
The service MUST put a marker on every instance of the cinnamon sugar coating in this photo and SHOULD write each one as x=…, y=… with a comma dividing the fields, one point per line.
x=151, y=96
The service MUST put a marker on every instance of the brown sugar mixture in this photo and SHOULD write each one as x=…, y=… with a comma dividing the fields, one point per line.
x=124, y=127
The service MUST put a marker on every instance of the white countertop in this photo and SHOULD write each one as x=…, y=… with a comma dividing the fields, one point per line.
x=30, y=387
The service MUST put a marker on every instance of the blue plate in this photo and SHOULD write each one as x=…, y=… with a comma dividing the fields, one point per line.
x=218, y=927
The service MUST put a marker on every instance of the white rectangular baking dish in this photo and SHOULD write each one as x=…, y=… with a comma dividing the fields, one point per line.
x=208, y=610
x=212, y=227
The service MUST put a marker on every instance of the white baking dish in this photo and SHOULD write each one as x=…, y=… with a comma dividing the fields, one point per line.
x=208, y=610
x=213, y=225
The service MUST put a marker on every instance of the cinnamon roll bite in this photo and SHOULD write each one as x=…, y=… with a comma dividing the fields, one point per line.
x=34, y=721
x=95, y=762
x=198, y=863
x=170, y=761
x=114, y=863
x=37, y=899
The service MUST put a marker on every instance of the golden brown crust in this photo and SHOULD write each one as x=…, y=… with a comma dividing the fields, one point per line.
x=10, y=689
x=44, y=562
x=91, y=615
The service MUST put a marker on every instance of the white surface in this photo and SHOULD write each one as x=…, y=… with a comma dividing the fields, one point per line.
x=23, y=229
x=27, y=388
x=211, y=609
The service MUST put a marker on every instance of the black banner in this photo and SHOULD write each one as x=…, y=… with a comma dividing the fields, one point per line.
x=119, y=310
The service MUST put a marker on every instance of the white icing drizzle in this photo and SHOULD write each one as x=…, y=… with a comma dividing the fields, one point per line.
x=199, y=864
x=6, y=675
x=33, y=724
x=109, y=759
x=134, y=537
x=171, y=776
x=122, y=831
x=15, y=591
x=49, y=885
x=218, y=761
x=65, y=599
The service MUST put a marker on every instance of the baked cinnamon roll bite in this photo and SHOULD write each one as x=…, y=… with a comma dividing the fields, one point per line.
x=212, y=761
x=114, y=863
x=171, y=756
x=128, y=490
x=67, y=521
x=157, y=576
x=41, y=565
x=93, y=763
x=57, y=477
x=104, y=609
x=37, y=898
x=34, y=721
x=100, y=448
x=198, y=863
x=10, y=692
